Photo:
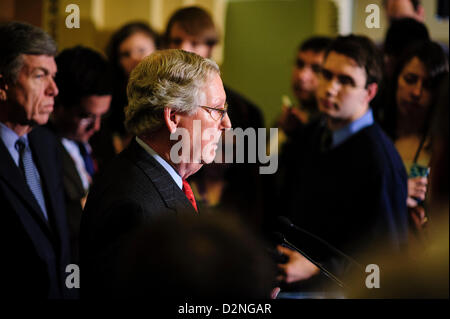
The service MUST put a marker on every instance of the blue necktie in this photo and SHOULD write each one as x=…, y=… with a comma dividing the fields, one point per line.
x=88, y=162
x=31, y=173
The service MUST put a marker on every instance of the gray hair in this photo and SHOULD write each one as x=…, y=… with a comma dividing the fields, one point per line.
x=18, y=38
x=167, y=78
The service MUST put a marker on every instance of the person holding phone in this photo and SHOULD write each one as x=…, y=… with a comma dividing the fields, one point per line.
x=407, y=122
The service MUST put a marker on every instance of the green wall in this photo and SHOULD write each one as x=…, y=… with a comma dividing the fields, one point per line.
x=260, y=45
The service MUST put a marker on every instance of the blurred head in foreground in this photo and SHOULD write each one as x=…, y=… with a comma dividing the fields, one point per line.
x=206, y=257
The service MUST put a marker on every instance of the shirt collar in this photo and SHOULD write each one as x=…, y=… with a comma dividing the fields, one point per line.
x=175, y=176
x=74, y=151
x=10, y=137
x=344, y=133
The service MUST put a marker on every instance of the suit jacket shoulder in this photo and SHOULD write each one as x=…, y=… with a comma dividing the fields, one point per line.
x=73, y=186
x=133, y=190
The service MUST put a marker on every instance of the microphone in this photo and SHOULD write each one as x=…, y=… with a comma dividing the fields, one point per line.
x=289, y=245
x=286, y=222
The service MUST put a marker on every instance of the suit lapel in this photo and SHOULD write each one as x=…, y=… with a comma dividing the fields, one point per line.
x=172, y=195
x=15, y=179
x=72, y=180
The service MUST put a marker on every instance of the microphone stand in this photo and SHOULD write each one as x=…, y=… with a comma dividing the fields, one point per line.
x=325, y=271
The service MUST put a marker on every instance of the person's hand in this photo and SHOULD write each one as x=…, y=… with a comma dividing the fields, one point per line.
x=83, y=201
x=274, y=293
x=297, y=268
x=417, y=188
x=418, y=217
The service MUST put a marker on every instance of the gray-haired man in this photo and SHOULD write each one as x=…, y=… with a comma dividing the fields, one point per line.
x=168, y=92
x=34, y=240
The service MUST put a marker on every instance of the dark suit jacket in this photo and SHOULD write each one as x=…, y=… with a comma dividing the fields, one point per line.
x=34, y=252
x=74, y=192
x=134, y=190
x=353, y=196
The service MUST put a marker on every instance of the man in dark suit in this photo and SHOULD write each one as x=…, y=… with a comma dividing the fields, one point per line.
x=85, y=96
x=34, y=240
x=171, y=93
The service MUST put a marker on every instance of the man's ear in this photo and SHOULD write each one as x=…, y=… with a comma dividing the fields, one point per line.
x=171, y=119
x=372, y=90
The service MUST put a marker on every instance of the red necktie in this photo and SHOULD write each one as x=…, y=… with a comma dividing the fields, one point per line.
x=187, y=190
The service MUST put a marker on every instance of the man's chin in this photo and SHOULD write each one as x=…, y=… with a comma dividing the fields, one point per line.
x=38, y=120
x=84, y=139
x=326, y=111
x=194, y=167
x=207, y=160
x=210, y=156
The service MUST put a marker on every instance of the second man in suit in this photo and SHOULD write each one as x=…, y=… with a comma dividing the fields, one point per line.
x=34, y=241
x=84, y=98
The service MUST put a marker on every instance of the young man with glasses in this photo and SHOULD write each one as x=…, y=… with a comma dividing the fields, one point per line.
x=350, y=181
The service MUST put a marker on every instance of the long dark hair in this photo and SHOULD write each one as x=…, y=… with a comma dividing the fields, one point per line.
x=116, y=118
x=112, y=49
x=433, y=57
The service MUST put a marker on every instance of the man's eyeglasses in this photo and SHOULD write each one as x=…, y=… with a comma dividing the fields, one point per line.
x=88, y=119
x=217, y=114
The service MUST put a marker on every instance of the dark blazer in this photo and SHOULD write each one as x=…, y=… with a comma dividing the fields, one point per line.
x=133, y=190
x=353, y=196
x=74, y=193
x=34, y=252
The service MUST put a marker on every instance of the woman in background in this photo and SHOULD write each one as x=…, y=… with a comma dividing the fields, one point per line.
x=413, y=97
x=126, y=48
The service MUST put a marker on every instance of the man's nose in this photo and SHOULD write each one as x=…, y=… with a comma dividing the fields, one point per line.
x=187, y=46
x=305, y=74
x=52, y=88
x=331, y=87
x=226, y=122
x=97, y=123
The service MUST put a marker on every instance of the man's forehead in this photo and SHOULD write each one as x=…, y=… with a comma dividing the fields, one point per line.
x=214, y=90
x=178, y=30
x=342, y=64
x=95, y=104
x=344, y=60
x=311, y=55
x=46, y=62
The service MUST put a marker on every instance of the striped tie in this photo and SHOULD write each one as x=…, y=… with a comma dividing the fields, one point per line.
x=31, y=173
